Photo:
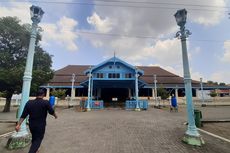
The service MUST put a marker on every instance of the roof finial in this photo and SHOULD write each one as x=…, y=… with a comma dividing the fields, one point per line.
x=114, y=54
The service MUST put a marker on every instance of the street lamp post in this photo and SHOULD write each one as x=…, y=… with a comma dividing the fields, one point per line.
x=22, y=138
x=136, y=91
x=72, y=91
x=88, y=108
x=192, y=136
x=202, y=93
x=155, y=88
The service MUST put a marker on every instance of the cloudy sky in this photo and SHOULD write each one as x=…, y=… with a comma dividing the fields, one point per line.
x=141, y=32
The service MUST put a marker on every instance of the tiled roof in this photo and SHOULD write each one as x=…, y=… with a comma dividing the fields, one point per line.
x=63, y=77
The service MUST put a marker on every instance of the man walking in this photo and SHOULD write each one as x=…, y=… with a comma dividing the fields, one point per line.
x=37, y=110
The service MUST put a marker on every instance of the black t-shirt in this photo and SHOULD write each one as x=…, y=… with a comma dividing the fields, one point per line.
x=37, y=110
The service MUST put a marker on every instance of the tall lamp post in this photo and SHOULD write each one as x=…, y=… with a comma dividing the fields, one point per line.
x=22, y=138
x=72, y=90
x=137, y=91
x=192, y=136
x=202, y=93
x=89, y=91
x=155, y=88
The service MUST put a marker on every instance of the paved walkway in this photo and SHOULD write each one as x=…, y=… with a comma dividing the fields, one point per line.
x=120, y=131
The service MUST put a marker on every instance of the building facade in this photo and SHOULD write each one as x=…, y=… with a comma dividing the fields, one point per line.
x=116, y=80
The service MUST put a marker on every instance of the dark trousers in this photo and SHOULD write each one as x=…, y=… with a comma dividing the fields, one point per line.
x=37, y=136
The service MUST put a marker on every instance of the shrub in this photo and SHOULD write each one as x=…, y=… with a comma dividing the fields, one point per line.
x=162, y=93
x=3, y=94
x=213, y=94
x=60, y=93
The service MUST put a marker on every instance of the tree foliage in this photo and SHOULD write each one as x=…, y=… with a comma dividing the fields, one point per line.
x=213, y=94
x=60, y=93
x=216, y=83
x=3, y=94
x=162, y=93
x=212, y=83
x=14, y=43
x=222, y=84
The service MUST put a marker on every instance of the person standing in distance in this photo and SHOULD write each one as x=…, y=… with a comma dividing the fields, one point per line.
x=37, y=110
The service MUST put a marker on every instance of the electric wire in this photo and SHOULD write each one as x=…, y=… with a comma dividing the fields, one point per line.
x=160, y=3
x=146, y=5
x=125, y=35
x=148, y=37
x=139, y=36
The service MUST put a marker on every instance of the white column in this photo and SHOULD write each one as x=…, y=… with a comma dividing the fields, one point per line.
x=73, y=93
x=176, y=93
x=130, y=94
x=91, y=91
x=153, y=93
x=197, y=93
x=155, y=86
x=47, y=92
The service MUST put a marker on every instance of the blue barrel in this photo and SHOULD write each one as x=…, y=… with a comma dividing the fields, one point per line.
x=145, y=105
x=173, y=102
x=52, y=101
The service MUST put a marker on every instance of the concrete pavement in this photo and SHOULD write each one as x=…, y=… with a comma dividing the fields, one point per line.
x=120, y=131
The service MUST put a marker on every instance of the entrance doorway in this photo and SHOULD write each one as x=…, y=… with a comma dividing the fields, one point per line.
x=114, y=97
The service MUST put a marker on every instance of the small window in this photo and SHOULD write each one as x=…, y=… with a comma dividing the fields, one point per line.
x=100, y=75
x=118, y=66
x=114, y=75
x=110, y=66
x=110, y=75
x=128, y=75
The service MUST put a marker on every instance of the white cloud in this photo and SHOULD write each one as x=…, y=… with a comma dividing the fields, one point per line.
x=226, y=56
x=97, y=43
x=196, y=50
x=221, y=76
x=165, y=52
x=209, y=18
x=197, y=75
x=62, y=33
x=178, y=70
x=100, y=24
x=134, y=22
x=21, y=11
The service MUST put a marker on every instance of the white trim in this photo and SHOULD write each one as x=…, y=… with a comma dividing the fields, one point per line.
x=216, y=136
x=7, y=134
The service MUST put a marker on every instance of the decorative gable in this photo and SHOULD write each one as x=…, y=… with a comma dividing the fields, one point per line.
x=114, y=68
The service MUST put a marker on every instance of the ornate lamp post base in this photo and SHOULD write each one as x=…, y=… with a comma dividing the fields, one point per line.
x=193, y=140
x=16, y=142
x=137, y=109
x=88, y=109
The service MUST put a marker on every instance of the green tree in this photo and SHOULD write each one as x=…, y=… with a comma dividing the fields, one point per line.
x=212, y=83
x=60, y=93
x=3, y=94
x=42, y=71
x=222, y=84
x=162, y=92
x=14, y=42
x=213, y=94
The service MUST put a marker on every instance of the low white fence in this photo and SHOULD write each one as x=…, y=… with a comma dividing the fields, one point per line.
x=76, y=101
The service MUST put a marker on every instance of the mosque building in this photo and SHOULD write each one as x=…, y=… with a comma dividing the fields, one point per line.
x=116, y=80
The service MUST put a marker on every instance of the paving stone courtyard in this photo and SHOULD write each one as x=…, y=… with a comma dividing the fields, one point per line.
x=121, y=131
